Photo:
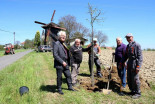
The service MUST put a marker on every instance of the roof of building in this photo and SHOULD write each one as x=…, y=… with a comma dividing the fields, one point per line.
x=53, y=25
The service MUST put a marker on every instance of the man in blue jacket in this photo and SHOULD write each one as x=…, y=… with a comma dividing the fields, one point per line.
x=119, y=53
x=61, y=61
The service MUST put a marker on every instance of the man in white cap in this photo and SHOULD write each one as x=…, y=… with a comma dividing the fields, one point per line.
x=134, y=55
x=97, y=52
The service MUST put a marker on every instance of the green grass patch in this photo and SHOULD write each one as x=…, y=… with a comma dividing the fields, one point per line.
x=152, y=86
x=25, y=72
x=16, y=51
x=35, y=70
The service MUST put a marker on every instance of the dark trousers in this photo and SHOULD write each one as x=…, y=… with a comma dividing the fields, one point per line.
x=67, y=74
x=122, y=74
x=133, y=79
x=97, y=63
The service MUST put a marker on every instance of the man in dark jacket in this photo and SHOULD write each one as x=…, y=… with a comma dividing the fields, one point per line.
x=134, y=55
x=119, y=53
x=76, y=59
x=61, y=61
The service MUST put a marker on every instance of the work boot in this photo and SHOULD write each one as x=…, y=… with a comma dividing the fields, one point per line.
x=131, y=93
x=136, y=96
x=74, y=84
x=99, y=75
x=60, y=92
x=122, y=88
x=121, y=94
x=71, y=89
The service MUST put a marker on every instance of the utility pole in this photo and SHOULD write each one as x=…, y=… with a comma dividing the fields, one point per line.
x=14, y=37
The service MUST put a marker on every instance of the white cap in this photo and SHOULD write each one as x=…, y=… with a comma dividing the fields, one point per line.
x=129, y=35
x=95, y=39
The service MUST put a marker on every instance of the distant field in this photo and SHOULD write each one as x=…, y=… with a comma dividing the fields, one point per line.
x=36, y=71
x=16, y=51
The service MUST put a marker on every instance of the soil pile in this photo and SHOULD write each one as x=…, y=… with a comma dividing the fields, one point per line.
x=101, y=83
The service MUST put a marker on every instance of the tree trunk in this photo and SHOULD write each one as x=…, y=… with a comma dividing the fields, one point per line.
x=92, y=59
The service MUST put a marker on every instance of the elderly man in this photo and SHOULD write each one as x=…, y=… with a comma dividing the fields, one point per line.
x=97, y=52
x=61, y=61
x=134, y=56
x=76, y=59
x=119, y=53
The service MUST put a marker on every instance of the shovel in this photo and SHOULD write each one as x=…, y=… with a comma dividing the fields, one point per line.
x=107, y=91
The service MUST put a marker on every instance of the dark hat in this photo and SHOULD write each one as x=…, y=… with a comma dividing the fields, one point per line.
x=23, y=90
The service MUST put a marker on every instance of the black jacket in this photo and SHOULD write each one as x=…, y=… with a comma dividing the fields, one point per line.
x=76, y=53
x=60, y=55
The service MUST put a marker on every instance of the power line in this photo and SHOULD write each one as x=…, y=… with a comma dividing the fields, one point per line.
x=5, y=31
x=9, y=32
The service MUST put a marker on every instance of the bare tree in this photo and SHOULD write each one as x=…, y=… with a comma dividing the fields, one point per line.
x=81, y=30
x=94, y=17
x=73, y=28
x=61, y=24
x=69, y=22
x=101, y=37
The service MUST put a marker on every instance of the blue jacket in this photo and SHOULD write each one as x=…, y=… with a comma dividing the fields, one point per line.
x=120, y=52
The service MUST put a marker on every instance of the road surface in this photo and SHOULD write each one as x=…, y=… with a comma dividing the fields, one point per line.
x=9, y=59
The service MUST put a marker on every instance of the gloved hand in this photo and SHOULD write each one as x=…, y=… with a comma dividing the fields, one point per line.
x=97, y=55
x=137, y=70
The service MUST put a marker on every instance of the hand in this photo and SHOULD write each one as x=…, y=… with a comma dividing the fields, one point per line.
x=125, y=65
x=120, y=67
x=64, y=64
x=113, y=53
x=137, y=70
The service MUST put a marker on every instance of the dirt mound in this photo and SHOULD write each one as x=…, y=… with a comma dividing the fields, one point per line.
x=101, y=83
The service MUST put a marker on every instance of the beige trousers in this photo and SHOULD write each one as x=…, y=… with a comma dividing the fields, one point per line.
x=74, y=72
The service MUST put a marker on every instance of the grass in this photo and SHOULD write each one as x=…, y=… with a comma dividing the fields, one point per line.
x=16, y=51
x=36, y=71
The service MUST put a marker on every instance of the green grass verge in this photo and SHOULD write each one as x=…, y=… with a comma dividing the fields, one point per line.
x=16, y=51
x=36, y=71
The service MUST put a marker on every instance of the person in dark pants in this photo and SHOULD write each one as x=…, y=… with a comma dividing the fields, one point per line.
x=119, y=53
x=76, y=59
x=61, y=62
x=135, y=58
x=97, y=52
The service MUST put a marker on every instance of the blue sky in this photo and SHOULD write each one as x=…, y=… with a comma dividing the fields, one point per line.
x=120, y=17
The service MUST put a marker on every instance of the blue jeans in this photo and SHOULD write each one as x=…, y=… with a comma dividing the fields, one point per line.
x=122, y=75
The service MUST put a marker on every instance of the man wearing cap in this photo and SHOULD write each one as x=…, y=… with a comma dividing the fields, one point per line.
x=76, y=59
x=62, y=61
x=119, y=53
x=134, y=55
x=97, y=53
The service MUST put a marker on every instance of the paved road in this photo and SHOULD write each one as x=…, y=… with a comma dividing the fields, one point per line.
x=9, y=59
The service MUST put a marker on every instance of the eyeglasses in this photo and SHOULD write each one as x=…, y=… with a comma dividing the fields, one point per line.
x=63, y=37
